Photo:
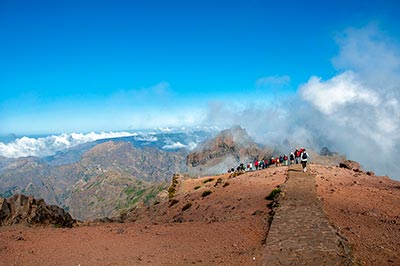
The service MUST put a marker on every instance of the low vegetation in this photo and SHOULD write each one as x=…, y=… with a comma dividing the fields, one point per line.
x=173, y=202
x=187, y=206
x=206, y=193
x=235, y=174
x=219, y=181
x=208, y=180
x=172, y=188
x=274, y=193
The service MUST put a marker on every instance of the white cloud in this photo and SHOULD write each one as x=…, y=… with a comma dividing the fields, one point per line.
x=146, y=137
x=331, y=95
x=360, y=106
x=175, y=145
x=47, y=146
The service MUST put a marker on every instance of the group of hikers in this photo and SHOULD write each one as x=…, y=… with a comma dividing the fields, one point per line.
x=295, y=157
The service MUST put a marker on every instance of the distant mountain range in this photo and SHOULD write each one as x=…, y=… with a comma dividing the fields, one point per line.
x=103, y=177
x=107, y=177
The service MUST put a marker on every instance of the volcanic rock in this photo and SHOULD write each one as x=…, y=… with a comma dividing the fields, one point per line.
x=21, y=209
x=349, y=164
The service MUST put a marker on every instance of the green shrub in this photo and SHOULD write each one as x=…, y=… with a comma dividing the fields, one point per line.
x=206, y=193
x=208, y=180
x=187, y=206
x=235, y=174
x=219, y=181
x=274, y=193
x=171, y=192
x=173, y=202
x=197, y=187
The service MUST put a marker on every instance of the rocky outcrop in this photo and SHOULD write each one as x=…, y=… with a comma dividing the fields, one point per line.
x=325, y=151
x=228, y=149
x=351, y=165
x=21, y=209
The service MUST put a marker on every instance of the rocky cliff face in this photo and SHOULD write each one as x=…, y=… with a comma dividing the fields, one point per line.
x=20, y=209
x=228, y=149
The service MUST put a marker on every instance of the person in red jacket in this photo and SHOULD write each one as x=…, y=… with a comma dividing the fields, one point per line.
x=285, y=160
x=272, y=161
x=297, y=155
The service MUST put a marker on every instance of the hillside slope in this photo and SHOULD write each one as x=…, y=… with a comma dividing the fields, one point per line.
x=99, y=184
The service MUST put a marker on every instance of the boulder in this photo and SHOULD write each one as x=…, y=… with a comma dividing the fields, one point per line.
x=351, y=165
x=21, y=209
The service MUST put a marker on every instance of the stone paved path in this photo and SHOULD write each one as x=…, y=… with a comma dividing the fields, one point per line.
x=300, y=233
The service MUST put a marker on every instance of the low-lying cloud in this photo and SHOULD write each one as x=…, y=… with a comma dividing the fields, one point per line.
x=47, y=146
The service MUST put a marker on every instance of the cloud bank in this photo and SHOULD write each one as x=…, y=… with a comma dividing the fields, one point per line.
x=47, y=146
x=356, y=112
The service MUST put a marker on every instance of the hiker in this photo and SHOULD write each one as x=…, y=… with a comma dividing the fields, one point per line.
x=291, y=157
x=261, y=164
x=266, y=163
x=272, y=161
x=285, y=160
x=304, y=158
x=297, y=155
x=256, y=164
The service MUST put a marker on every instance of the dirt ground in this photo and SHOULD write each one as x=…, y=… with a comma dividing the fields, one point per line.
x=366, y=211
x=225, y=227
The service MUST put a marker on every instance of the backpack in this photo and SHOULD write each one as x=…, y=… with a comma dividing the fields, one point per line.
x=304, y=156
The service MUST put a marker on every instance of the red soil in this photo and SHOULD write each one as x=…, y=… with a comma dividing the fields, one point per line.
x=365, y=210
x=226, y=227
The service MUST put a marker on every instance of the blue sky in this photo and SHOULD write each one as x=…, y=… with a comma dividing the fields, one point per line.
x=78, y=66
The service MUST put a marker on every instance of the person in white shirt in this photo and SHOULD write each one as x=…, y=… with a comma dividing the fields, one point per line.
x=304, y=159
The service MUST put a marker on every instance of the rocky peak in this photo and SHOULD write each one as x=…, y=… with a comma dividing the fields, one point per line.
x=227, y=149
